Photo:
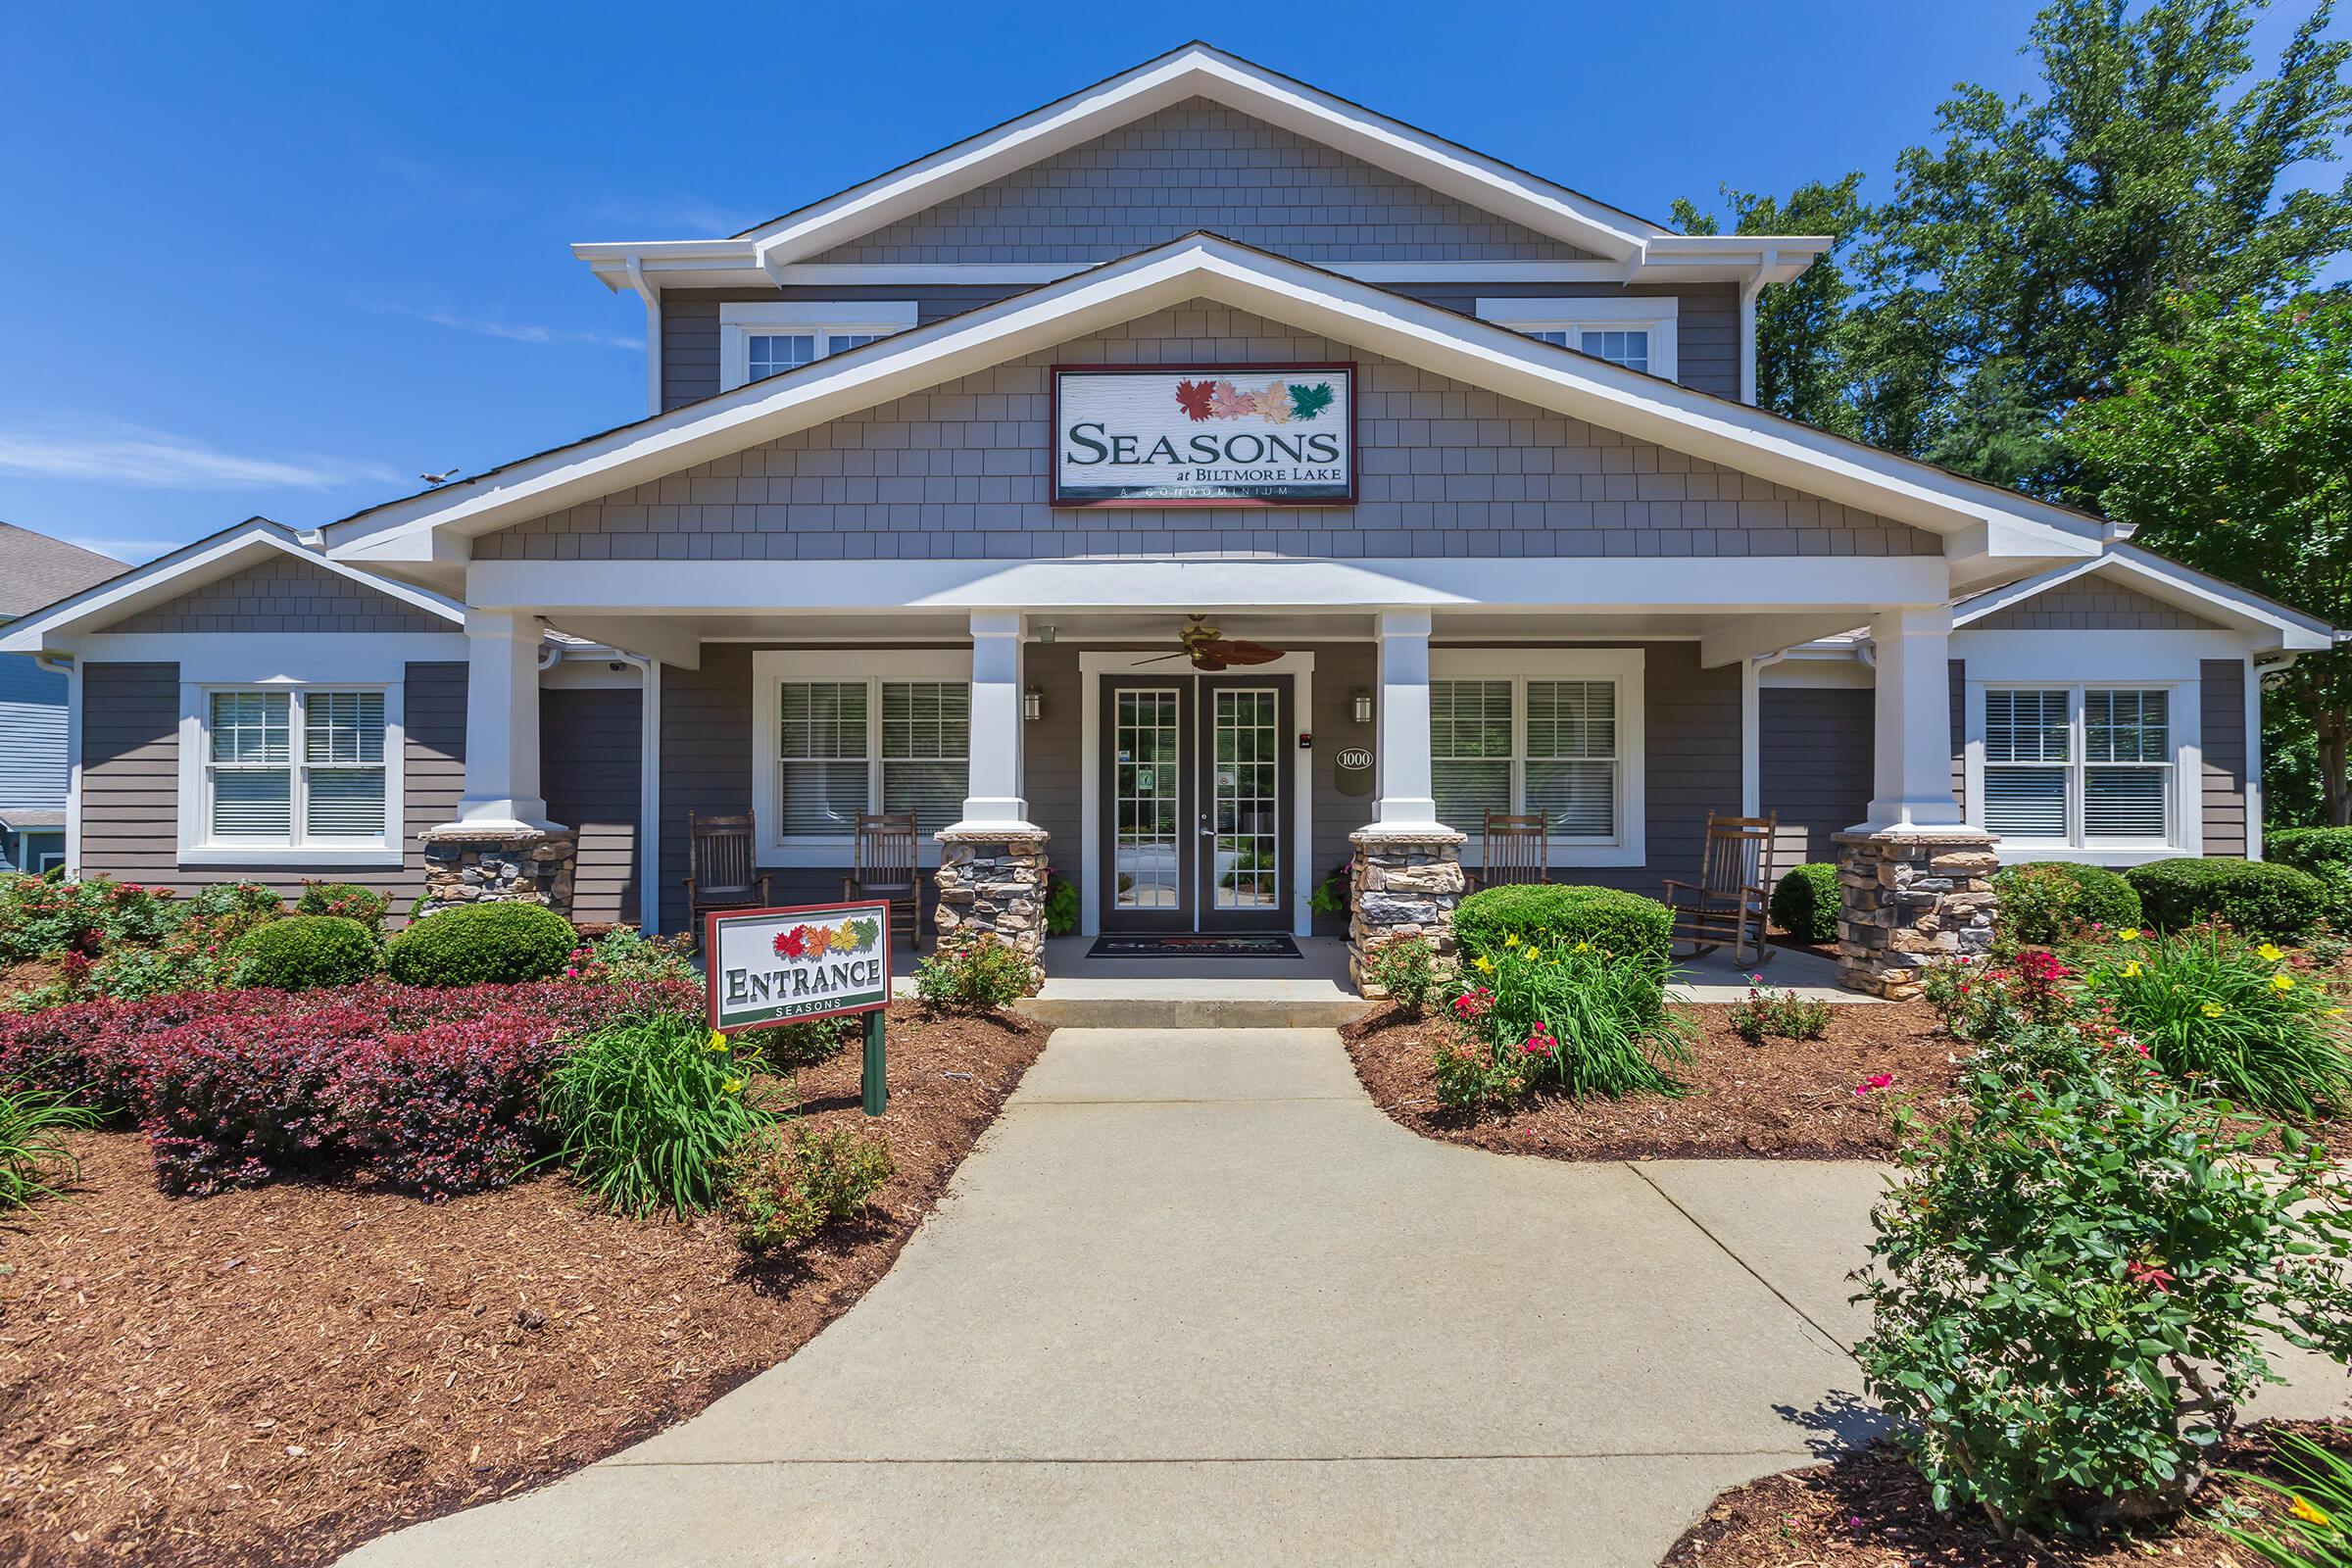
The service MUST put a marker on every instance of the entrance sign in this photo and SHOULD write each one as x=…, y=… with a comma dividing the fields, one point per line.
x=1207, y=435
x=819, y=961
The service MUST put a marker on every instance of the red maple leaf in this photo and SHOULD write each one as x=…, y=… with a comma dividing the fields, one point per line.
x=1193, y=397
x=790, y=942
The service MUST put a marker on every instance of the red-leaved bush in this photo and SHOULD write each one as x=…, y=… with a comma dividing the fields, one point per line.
x=432, y=1091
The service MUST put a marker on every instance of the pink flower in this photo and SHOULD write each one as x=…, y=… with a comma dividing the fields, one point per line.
x=2152, y=1275
x=1877, y=1080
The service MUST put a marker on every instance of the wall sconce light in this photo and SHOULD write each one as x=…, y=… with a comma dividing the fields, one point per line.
x=1033, y=704
x=1362, y=700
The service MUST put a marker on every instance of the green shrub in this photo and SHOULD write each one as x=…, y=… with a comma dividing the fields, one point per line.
x=1407, y=971
x=345, y=900
x=644, y=1111
x=1768, y=1013
x=809, y=1041
x=1572, y=1017
x=1061, y=906
x=483, y=944
x=1806, y=903
x=306, y=952
x=2307, y=849
x=1539, y=913
x=31, y=1157
x=972, y=974
x=2043, y=901
x=781, y=1186
x=2257, y=898
x=2073, y=1280
x=626, y=955
x=2251, y=1025
x=44, y=918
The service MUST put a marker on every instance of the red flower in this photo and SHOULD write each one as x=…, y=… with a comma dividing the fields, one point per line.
x=1877, y=1080
x=2152, y=1275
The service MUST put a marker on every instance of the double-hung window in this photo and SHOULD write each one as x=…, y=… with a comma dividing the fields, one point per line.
x=2079, y=766
x=1636, y=332
x=1555, y=742
x=884, y=742
x=295, y=768
x=759, y=339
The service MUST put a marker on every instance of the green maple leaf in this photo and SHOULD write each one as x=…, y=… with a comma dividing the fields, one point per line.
x=1308, y=401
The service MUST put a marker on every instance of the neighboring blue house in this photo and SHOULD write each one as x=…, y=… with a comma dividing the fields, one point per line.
x=34, y=570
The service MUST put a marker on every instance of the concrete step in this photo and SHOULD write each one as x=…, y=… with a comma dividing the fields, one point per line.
x=1211, y=1007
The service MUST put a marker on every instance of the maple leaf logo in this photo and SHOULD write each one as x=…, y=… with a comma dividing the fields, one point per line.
x=1193, y=397
x=1308, y=401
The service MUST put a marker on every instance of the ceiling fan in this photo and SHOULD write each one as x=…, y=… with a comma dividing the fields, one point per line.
x=1211, y=650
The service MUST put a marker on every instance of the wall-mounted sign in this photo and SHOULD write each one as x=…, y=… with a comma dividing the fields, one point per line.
x=770, y=966
x=1352, y=770
x=1211, y=435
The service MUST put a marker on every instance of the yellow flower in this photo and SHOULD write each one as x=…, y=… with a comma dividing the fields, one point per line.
x=1533, y=954
x=2283, y=982
x=716, y=1042
x=2213, y=1009
x=1584, y=947
x=2131, y=935
x=2131, y=970
x=1510, y=939
x=2270, y=953
x=1486, y=966
x=2308, y=1514
x=732, y=1086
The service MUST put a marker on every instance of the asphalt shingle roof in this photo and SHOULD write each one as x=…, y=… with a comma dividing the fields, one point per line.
x=36, y=569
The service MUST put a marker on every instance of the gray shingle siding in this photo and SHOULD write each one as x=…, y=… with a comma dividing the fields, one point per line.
x=130, y=782
x=961, y=471
x=2222, y=721
x=2092, y=603
x=285, y=595
x=1193, y=165
x=1814, y=762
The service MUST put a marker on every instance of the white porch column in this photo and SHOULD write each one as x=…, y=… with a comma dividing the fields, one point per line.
x=1407, y=798
x=992, y=800
x=1912, y=776
x=502, y=724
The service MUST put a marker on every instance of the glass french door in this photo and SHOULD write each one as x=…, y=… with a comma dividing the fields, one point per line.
x=1196, y=803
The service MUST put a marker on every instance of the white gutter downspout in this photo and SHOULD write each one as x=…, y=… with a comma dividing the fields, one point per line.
x=649, y=790
x=71, y=670
x=1751, y=731
x=652, y=331
x=1750, y=292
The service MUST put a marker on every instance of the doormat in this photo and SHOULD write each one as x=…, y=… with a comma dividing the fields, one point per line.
x=1204, y=945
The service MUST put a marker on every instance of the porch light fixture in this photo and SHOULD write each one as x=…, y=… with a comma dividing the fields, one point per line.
x=1033, y=704
x=1363, y=702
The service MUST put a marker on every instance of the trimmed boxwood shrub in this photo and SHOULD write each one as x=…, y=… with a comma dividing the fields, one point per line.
x=1806, y=903
x=2254, y=897
x=2041, y=900
x=483, y=944
x=2309, y=848
x=1612, y=920
x=306, y=952
x=343, y=898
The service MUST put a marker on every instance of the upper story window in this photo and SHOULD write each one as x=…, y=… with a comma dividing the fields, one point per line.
x=1636, y=332
x=761, y=338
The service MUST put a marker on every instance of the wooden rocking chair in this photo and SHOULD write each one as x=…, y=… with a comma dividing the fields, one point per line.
x=1732, y=897
x=886, y=869
x=1513, y=849
x=725, y=873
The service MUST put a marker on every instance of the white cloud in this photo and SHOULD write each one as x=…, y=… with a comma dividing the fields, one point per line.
x=127, y=455
x=667, y=217
x=513, y=332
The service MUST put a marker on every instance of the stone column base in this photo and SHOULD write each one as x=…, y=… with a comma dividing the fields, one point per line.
x=993, y=880
x=1402, y=883
x=489, y=866
x=1908, y=900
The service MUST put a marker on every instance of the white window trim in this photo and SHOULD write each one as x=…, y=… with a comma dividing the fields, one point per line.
x=1625, y=666
x=741, y=321
x=770, y=668
x=196, y=847
x=1658, y=314
x=2187, y=808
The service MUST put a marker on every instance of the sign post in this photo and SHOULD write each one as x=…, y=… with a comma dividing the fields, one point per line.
x=792, y=965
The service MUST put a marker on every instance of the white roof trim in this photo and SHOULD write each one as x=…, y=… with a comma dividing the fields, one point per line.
x=1981, y=520
x=192, y=566
x=2173, y=584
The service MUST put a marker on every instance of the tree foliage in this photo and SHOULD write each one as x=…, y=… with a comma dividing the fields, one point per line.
x=1800, y=353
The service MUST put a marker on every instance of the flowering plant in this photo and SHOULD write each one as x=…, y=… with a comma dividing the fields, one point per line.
x=1569, y=1016
x=1767, y=1013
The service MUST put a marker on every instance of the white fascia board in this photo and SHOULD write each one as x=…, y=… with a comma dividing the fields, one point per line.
x=191, y=567
x=1428, y=336
x=2197, y=592
x=1198, y=71
x=737, y=268
x=1835, y=589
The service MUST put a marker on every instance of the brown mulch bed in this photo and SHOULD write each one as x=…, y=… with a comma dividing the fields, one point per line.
x=1786, y=1099
x=276, y=1375
x=1871, y=1510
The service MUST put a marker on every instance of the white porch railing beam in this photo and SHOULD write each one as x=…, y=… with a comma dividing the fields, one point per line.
x=993, y=799
x=1912, y=762
x=1407, y=798
x=502, y=724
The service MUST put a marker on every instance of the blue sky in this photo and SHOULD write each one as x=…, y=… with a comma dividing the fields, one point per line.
x=280, y=259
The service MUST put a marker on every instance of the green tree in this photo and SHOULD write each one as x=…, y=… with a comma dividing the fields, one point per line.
x=2025, y=252
x=1801, y=355
x=2229, y=447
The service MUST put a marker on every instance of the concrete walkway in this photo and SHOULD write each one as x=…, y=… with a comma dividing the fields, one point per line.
x=1195, y=1300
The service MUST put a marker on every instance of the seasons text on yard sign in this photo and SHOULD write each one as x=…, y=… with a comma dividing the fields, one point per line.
x=1212, y=435
x=781, y=965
